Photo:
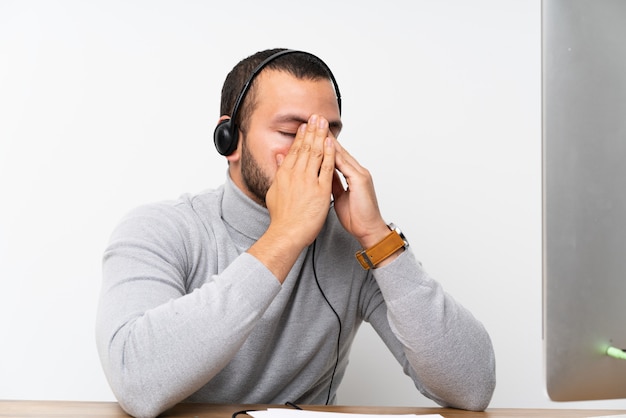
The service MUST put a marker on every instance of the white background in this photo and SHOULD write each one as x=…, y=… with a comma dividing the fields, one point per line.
x=105, y=105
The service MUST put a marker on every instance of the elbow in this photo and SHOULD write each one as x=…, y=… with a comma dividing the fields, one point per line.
x=136, y=390
x=479, y=378
x=137, y=394
x=139, y=410
x=479, y=397
x=477, y=405
x=472, y=393
x=140, y=402
x=476, y=402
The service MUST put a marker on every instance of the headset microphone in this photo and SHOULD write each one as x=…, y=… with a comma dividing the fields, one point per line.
x=226, y=134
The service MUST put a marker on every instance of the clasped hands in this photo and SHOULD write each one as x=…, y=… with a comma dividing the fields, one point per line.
x=299, y=197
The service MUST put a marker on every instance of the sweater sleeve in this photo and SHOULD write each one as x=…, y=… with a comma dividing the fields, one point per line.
x=158, y=343
x=442, y=347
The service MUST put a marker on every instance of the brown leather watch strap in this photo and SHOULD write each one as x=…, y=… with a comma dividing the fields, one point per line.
x=371, y=257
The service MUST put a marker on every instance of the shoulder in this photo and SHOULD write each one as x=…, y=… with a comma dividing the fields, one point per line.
x=183, y=213
x=185, y=205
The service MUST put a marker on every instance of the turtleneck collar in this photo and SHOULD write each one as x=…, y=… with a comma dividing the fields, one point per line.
x=242, y=213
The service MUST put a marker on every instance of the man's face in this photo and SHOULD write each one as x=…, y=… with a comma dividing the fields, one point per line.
x=283, y=103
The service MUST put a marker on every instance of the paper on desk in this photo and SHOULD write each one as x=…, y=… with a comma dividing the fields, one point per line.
x=298, y=413
x=612, y=416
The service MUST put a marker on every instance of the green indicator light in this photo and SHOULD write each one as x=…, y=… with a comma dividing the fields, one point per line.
x=616, y=353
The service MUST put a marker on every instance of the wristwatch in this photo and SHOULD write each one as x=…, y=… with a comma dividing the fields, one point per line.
x=373, y=256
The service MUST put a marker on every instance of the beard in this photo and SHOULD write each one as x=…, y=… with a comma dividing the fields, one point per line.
x=253, y=176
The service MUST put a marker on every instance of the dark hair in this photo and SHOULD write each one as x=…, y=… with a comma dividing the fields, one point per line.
x=300, y=65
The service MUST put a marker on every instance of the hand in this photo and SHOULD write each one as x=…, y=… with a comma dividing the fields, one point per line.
x=298, y=199
x=357, y=206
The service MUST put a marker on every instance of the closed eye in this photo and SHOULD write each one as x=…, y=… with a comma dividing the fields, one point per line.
x=288, y=134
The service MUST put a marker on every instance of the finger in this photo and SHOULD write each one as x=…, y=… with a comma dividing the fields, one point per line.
x=304, y=149
x=291, y=158
x=327, y=168
x=318, y=147
x=308, y=152
x=346, y=163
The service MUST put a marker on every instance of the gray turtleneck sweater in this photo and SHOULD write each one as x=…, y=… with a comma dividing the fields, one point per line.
x=185, y=314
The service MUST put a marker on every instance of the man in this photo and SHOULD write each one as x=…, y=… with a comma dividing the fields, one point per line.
x=251, y=293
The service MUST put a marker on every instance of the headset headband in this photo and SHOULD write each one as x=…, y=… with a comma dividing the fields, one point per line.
x=226, y=135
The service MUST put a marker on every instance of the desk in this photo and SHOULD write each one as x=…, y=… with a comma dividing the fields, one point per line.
x=58, y=409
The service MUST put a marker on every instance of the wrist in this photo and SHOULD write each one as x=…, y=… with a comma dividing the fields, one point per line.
x=375, y=235
x=277, y=251
x=384, y=251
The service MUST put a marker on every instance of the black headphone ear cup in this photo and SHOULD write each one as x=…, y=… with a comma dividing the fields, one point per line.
x=223, y=137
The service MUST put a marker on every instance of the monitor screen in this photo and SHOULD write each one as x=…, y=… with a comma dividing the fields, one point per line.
x=584, y=197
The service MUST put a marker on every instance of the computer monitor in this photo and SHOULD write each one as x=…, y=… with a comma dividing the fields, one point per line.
x=584, y=198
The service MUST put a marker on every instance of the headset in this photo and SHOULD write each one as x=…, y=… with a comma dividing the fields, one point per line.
x=226, y=134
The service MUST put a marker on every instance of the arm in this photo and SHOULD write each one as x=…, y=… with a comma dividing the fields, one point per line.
x=449, y=353
x=158, y=344
x=445, y=350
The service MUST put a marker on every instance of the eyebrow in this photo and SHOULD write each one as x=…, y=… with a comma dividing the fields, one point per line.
x=335, y=125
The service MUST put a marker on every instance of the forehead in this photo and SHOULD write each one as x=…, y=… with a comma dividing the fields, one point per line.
x=279, y=90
